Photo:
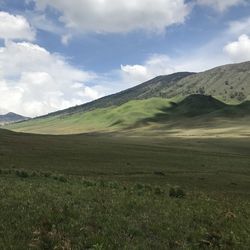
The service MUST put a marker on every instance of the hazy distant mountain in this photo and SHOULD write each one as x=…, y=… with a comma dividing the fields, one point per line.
x=11, y=117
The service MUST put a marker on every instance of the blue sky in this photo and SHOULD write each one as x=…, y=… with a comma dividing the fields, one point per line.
x=64, y=53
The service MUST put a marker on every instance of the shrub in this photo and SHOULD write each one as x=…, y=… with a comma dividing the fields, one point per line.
x=113, y=185
x=158, y=191
x=22, y=174
x=176, y=192
x=47, y=174
x=34, y=174
x=138, y=186
x=59, y=178
x=88, y=183
x=159, y=173
x=62, y=178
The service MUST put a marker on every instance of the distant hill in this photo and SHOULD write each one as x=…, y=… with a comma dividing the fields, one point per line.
x=11, y=118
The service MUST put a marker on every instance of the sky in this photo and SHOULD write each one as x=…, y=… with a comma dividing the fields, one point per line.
x=56, y=54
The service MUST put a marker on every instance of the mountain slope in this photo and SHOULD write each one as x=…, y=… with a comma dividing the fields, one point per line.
x=155, y=115
x=192, y=106
x=99, y=120
x=11, y=117
x=229, y=83
x=149, y=89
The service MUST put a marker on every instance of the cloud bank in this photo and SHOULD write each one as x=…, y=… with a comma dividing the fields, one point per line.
x=113, y=16
x=15, y=27
x=239, y=50
x=34, y=82
x=220, y=5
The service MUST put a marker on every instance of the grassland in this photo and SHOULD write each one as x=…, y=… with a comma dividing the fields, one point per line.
x=46, y=213
x=209, y=164
x=107, y=191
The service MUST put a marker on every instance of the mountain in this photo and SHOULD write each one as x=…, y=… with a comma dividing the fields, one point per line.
x=177, y=100
x=229, y=83
x=154, y=115
x=11, y=118
x=149, y=89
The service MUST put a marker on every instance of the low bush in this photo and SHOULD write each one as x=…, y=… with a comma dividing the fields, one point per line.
x=22, y=173
x=176, y=192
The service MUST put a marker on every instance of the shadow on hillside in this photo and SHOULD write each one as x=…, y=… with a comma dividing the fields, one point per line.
x=196, y=111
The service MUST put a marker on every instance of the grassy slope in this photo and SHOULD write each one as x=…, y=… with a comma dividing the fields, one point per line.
x=226, y=83
x=107, y=119
x=196, y=115
x=146, y=90
x=229, y=83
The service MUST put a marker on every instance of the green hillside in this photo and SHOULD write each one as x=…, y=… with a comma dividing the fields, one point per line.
x=152, y=102
x=99, y=120
x=154, y=115
x=229, y=83
x=149, y=89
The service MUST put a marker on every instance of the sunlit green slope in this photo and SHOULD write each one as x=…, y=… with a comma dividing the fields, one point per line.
x=99, y=120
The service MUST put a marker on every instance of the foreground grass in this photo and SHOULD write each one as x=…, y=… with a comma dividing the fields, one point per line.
x=112, y=192
x=41, y=211
x=196, y=164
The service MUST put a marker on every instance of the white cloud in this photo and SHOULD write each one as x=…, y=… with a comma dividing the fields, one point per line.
x=155, y=65
x=220, y=5
x=118, y=16
x=15, y=27
x=239, y=50
x=34, y=82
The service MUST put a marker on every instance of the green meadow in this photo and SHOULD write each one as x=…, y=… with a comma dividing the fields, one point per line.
x=110, y=191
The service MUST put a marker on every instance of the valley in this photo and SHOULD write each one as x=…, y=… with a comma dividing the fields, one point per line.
x=147, y=168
